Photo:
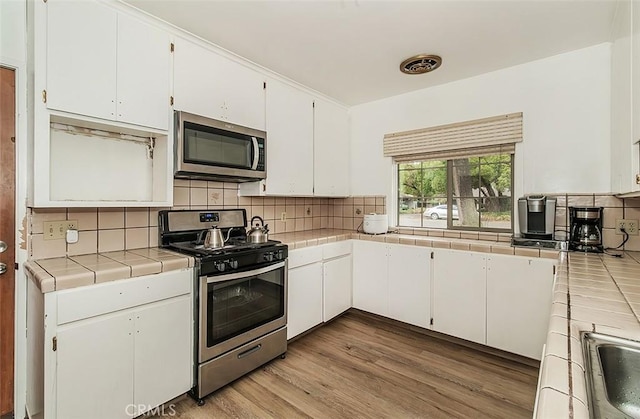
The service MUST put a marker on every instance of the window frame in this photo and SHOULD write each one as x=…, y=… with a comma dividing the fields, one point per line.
x=450, y=203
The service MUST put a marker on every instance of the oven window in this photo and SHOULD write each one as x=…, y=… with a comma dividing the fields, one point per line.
x=237, y=306
x=216, y=147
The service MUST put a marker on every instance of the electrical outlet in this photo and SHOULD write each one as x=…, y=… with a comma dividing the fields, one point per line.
x=308, y=210
x=55, y=230
x=283, y=216
x=629, y=226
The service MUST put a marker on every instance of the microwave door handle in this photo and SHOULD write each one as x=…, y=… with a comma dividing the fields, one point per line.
x=256, y=153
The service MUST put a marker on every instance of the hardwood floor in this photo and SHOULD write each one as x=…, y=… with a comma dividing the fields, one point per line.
x=361, y=366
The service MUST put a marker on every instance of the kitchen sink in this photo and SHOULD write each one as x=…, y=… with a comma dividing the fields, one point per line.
x=613, y=375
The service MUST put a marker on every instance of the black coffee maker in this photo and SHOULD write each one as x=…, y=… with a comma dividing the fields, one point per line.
x=586, y=229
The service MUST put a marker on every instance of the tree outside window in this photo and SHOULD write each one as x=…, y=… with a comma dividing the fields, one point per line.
x=469, y=193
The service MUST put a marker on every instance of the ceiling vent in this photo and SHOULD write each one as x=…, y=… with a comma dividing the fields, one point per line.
x=420, y=64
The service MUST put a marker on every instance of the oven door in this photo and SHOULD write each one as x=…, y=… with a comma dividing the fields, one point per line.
x=238, y=307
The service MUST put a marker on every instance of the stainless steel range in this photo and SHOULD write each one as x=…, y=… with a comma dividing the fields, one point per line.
x=241, y=295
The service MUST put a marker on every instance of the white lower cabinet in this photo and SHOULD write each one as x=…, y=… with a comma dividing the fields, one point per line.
x=392, y=280
x=499, y=300
x=117, y=349
x=336, y=282
x=370, y=271
x=319, y=285
x=94, y=376
x=518, y=303
x=409, y=284
x=459, y=294
x=123, y=364
x=304, y=298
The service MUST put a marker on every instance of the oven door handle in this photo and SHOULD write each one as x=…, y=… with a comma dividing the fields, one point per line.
x=244, y=274
x=256, y=153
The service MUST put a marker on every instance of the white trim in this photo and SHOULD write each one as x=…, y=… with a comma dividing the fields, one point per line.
x=20, y=319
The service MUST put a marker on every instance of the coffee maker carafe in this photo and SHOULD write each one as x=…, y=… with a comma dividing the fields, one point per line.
x=586, y=229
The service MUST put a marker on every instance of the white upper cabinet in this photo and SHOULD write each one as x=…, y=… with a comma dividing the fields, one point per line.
x=635, y=69
x=208, y=84
x=625, y=99
x=289, y=140
x=105, y=64
x=331, y=149
x=144, y=57
x=81, y=58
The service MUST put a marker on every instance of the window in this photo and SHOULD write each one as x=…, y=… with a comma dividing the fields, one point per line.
x=470, y=193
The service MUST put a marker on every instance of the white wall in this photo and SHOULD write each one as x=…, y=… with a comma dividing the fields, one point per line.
x=13, y=54
x=566, y=104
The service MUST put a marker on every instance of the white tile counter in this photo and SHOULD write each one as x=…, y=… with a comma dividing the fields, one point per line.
x=593, y=292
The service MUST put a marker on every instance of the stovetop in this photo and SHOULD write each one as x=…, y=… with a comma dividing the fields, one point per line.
x=184, y=230
x=234, y=246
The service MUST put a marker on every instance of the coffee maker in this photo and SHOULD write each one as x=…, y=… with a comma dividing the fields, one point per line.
x=586, y=229
x=537, y=217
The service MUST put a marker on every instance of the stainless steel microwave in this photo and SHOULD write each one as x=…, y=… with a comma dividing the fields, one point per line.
x=206, y=148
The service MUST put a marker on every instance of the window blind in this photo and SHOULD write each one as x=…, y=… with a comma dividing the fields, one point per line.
x=485, y=136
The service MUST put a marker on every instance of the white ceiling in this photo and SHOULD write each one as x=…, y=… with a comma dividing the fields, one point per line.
x=351, y=49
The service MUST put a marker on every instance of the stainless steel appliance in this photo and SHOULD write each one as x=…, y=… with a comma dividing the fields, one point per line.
x=216, y=150
x=586, y=229
x=537, y=217
x=241, y=295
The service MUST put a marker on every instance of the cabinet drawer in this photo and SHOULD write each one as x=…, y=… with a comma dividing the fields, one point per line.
x=81, y=303
x=333, y=250
x=300, y=257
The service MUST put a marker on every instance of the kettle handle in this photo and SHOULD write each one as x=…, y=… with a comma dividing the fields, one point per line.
x=259, y=218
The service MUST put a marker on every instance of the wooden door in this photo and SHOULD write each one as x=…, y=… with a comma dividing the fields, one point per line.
x=7, y=236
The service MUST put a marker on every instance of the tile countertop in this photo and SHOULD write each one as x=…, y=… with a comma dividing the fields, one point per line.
x=593, y=292
x=75, y=271
x=315, y=237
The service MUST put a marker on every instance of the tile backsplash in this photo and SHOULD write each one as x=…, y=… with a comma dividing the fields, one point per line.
x=112, y=229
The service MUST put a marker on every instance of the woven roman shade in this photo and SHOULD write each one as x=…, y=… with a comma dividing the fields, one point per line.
x=479, y=137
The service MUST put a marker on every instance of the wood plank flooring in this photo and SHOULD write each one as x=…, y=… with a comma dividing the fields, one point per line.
x=359, y=366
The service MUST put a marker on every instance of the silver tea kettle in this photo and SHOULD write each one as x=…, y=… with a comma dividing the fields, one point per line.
x=214, y=239
x=258, y=233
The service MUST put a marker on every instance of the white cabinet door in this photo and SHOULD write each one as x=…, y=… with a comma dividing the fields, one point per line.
x=459, y=294
x=635, y=71
x=519, y=295
x=304, y=299
x=81, y=58
x=207, y=84
x=163, y=351
x=331, y=149
x=370, y=282
x=289, y=140
x=95, y=368
x=409, y=284
x=337, y=286
x=143, y=74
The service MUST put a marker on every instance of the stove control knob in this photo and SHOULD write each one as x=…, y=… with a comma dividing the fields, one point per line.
x=220, y=266
x=233, y=264
x=268, y=257
x=280, y=255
